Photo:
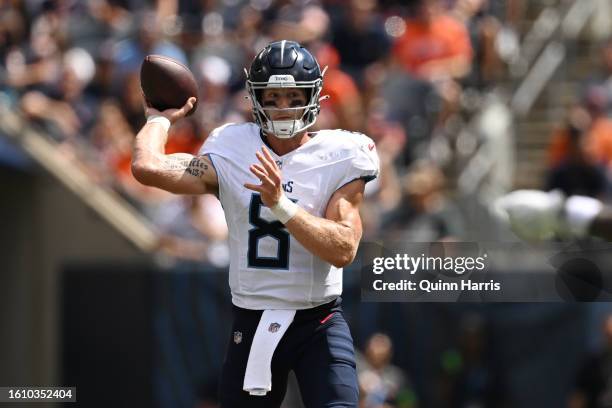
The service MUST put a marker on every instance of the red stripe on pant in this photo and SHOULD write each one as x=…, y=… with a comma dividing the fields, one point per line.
x=327, y=317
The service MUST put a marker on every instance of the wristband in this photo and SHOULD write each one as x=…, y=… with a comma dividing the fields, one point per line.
x=580, y=211
x=285, y=209
x=162, y=120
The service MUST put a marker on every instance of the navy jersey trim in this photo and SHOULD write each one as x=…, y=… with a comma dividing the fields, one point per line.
x=209, y=155
x=366, y=179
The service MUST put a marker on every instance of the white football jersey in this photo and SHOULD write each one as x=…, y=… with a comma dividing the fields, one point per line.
x=269, y=269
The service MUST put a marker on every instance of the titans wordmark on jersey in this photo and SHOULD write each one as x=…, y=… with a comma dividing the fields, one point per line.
x=269, y=269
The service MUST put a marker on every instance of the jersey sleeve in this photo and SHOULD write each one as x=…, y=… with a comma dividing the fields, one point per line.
x=215, y=143
x=364, y=164
x=220, y=150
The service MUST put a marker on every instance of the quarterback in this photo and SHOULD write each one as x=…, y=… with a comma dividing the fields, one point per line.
x=291, y=199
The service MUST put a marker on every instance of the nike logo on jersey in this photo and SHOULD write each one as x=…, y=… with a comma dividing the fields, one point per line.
x=371, y=146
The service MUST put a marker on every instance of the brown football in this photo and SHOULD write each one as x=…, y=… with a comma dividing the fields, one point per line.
x=167, y=83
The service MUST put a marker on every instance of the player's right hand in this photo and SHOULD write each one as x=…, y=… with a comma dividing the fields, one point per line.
x=173, y=115
x=533, y=215
x=270, y=176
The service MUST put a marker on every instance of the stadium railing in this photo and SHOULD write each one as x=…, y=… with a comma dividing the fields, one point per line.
x=105, y=202
x=542, y=51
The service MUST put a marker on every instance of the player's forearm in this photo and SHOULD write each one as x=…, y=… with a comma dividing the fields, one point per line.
x=331, y=241
x=149, y=143
x=149, y=149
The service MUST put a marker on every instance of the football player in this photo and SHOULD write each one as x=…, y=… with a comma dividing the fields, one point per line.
x=291, y=199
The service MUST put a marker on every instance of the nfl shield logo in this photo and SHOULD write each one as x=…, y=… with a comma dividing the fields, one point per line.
x=274, y=327
x=237, y=337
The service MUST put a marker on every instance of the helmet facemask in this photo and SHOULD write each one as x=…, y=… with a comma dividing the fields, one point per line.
x=287, y=128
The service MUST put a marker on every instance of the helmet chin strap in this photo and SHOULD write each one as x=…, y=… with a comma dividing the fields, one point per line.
x=284, y=129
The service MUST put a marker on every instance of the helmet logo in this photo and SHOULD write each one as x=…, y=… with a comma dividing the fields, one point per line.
x=276, y=81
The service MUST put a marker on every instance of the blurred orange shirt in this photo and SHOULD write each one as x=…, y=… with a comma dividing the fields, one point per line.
x=340, y=87
x=337, y=84
x=598, y=143
x=444, y=37
x=180, y=140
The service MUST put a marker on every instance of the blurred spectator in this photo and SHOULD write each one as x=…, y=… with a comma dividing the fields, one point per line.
x=129, y=53
x=413, y=103
x=595, y=128
x=214, y=104
x=221, y=52
x=435, y=45
x=358, y=35
x=95, y=22
x=13, y=32
x=425, y=213
x=601, y=80
x=103, y=84
x=131, y=101
x=434, y=52
x=63, y=103
x=383, y=194
x=593, y=388
x=112, y=138
x=344, y=109
x=307, y=24
x=577, y=174
x=468, y=379
x=38, y=62
x=483, y=29
x=193, y=229
x=249, y=29
x=381, y=384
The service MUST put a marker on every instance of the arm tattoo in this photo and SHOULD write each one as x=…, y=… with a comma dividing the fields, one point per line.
x=197, y=167
x=175, y=163
x=194, y=166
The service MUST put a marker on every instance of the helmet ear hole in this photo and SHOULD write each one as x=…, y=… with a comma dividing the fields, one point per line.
x=309, y=93
x=259, y=96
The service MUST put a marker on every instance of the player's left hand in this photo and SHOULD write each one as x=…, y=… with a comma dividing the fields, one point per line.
x=269, y=174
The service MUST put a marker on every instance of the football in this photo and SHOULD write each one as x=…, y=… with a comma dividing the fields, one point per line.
x=167, y=83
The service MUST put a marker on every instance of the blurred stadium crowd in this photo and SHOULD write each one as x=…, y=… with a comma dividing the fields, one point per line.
x=407, y=73
x=397, y=71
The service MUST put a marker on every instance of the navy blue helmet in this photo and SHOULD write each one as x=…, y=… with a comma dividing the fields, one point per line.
x=285, y=64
